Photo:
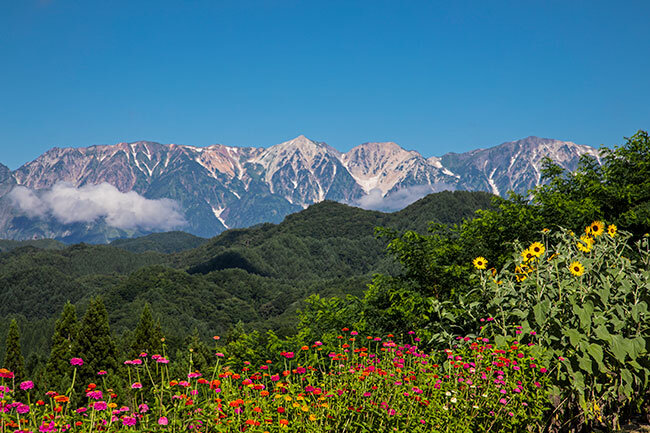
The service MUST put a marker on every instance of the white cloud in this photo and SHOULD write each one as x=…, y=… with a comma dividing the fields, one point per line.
x=124, y=210
x=398, y=199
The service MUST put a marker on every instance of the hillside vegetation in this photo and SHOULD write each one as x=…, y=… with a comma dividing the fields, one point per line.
x=257, y=276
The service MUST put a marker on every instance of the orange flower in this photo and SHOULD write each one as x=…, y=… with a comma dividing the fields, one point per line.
x=61, y=399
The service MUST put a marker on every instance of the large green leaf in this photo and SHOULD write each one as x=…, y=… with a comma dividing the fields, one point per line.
x=596, y=352
x=617, y=347
x=540, y=310
x=575, y=337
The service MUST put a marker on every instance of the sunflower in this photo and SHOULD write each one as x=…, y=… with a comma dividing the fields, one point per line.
x=480, y=263
x=537, y=249
x=597, y=228
x=585, y=248
x=528, y=255
x=611, y=230
x=577, y=269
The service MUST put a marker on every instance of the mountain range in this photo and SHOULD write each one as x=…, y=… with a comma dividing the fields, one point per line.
x=104, y=192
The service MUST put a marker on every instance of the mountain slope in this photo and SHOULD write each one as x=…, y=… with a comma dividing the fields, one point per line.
x=259, y=275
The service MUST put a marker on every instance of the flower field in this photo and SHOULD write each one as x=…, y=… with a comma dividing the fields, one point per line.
x=367, y=384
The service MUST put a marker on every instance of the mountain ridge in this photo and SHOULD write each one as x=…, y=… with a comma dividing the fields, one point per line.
x=219, y=187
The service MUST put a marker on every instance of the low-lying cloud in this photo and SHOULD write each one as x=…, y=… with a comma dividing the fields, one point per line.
x=399, y=199
x=124, y=210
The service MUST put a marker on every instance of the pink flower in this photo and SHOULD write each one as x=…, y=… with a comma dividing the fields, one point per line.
x=47, y=427
x=128, y=421
x=220, y=355
x=100, y=405
x=136, y=385
x=101, y=372
x=77, y=361
x=22, y=409
x=543, y=370
x=27, y=385
x=143, y=408
x=503, y=401
x=163, y=420
x=95, y=395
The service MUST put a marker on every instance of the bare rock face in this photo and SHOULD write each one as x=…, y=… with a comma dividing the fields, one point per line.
x=219, y=187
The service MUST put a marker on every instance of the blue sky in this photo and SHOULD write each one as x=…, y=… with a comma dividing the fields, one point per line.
x=431, y=76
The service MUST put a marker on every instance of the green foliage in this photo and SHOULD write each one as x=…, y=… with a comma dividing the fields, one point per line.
x=166, y=243
x=616, y=190
x=597, y=323
x=58, y=363
x=94, y=343
x=14, y=360
x=147, y=335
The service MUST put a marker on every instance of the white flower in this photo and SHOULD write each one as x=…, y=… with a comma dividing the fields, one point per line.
x=453, y=400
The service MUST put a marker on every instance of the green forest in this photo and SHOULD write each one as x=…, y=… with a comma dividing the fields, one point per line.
x=257, y=277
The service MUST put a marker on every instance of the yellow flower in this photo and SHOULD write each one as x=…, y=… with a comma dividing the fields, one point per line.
x=577, y=269
x=527, y=255
x=597, y=228
x=312, y=417
x=520, y=278
x=611, y=230
x=537, y=249
x=480, y=263
x=585, y=248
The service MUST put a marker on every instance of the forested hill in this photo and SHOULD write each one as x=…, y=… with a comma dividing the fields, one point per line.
x=167, y=242
x=257, y=276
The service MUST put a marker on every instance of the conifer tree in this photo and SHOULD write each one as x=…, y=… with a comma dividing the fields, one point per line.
x=94, y=343
x=147, y=335
x=58, y=364
x=14, y=360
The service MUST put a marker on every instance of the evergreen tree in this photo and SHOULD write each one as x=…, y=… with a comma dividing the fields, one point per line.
x=14, y=360
x=94, y=343
x=147, y=335
x=58, y=364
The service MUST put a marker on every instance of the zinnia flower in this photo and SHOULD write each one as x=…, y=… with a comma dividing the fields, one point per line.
x=77, y=361
x=27, y=385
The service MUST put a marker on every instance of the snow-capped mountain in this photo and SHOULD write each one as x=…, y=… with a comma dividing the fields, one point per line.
x=219, y=187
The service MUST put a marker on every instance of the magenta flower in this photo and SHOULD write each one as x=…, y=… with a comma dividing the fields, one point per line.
x=136, y=385
x=28, y=384
x=47, y=427
x=77, y=361
x=128, y=421
x=100, y=405
x=22, y=409
x=163, y=420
